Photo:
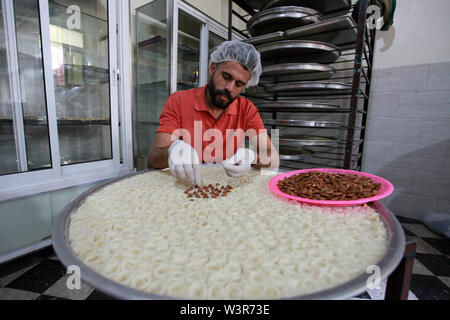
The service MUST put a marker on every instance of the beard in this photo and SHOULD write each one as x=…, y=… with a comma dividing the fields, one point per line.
x=214, y=93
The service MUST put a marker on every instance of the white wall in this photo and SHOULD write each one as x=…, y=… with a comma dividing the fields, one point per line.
x=408, y=124
x=420, y=35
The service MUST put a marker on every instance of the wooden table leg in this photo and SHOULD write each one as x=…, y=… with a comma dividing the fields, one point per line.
x=397, y=287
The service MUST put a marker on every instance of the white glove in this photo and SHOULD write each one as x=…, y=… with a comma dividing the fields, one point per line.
x=184, y=162
x=240, y=164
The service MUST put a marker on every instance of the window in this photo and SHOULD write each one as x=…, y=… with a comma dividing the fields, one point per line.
x=59, y=110
x=192, y=39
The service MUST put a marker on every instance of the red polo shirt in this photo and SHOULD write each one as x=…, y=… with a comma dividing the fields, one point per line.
x=186, y=114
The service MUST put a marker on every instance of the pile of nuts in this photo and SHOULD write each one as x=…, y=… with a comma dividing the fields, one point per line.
x=318, y=185
x=208, y=191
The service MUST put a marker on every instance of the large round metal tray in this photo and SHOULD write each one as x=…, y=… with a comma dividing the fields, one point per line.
x=288, y=72
x=330, y=8
x=61, y=245
x=290, y=153
x=281, y=19
x=310, y=88
x=303, y=123
x=301, y=51
x=294, y=106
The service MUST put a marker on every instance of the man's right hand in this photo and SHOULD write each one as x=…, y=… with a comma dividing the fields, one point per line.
x=184, y=162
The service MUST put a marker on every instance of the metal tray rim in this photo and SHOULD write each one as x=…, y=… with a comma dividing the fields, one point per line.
x=284, y=12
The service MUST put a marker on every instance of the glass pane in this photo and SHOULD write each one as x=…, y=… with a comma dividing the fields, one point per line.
x=188, y=51
x=152, y=71
x=213, y=42
x=80, y=62
x=8, y=164
x=34, y=105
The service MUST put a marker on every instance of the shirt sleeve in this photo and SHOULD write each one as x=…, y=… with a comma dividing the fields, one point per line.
x=170, y=118
x=253, y=119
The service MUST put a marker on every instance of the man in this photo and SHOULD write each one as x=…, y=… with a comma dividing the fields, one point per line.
x=213, y=121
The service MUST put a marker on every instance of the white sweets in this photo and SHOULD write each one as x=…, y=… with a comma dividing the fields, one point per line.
x=145, y=233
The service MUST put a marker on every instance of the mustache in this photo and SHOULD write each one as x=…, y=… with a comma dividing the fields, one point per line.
x=223, y=92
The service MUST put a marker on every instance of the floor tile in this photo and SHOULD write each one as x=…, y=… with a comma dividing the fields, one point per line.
x=438, y=264
x=45, y=253
x=45, y=297
x=408, y=233
x=40, y=277
x=445, y=280
x=443, y=245
x=97, y=295
x=4, y=281
x=14, y=294
x=421, y=230
x=419, y=268
x=59, y=289
x=407, y=220
x=365, y=295
x=14, y=266
x=429, y=288
x=424, y=247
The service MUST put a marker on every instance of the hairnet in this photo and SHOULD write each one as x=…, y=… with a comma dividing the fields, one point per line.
x=240, y=52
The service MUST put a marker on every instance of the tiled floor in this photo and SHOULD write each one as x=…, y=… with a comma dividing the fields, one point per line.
x=41, y=276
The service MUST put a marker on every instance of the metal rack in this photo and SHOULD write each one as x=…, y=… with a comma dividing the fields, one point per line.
x=306, y=93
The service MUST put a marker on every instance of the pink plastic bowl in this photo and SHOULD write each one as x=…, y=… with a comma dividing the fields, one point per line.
x=386, y=188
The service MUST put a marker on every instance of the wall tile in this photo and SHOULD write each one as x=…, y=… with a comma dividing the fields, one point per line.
x=432, y=189
x=447, y=161
x=24, y=222
x=412, y=206
x=419, y=168
x=415, y=156
x=373, y=166
x=424, y=104
x=433, y=132
x=398, y=129
x=439, y=77
x=402, y=179
x=432, y=177
x=378, y=151
x=383, y=104
x=401, y=79
x=443, y=206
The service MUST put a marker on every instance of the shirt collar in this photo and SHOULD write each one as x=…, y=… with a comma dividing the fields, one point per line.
x=200, y=103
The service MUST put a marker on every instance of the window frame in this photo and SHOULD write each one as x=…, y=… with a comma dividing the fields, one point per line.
x=208, y=24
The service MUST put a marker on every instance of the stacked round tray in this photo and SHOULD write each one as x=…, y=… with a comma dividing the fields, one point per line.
x=303, y=123
x=296, y=69
x=294, y=106
x=300, y=51
x=281, y=19
x=287, y=72
x=294, y=153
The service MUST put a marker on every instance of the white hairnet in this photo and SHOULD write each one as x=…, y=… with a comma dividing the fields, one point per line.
x=240, y=52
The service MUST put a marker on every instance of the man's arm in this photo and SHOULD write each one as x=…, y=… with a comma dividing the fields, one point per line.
x=158, y=156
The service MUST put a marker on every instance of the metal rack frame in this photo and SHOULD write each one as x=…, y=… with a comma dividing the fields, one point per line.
x=357, y=102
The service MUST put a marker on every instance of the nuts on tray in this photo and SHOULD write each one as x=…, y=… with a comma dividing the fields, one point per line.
x=208, y=191
x=318, y=185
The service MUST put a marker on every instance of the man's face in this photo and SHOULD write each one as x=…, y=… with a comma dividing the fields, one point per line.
x=228, y=79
